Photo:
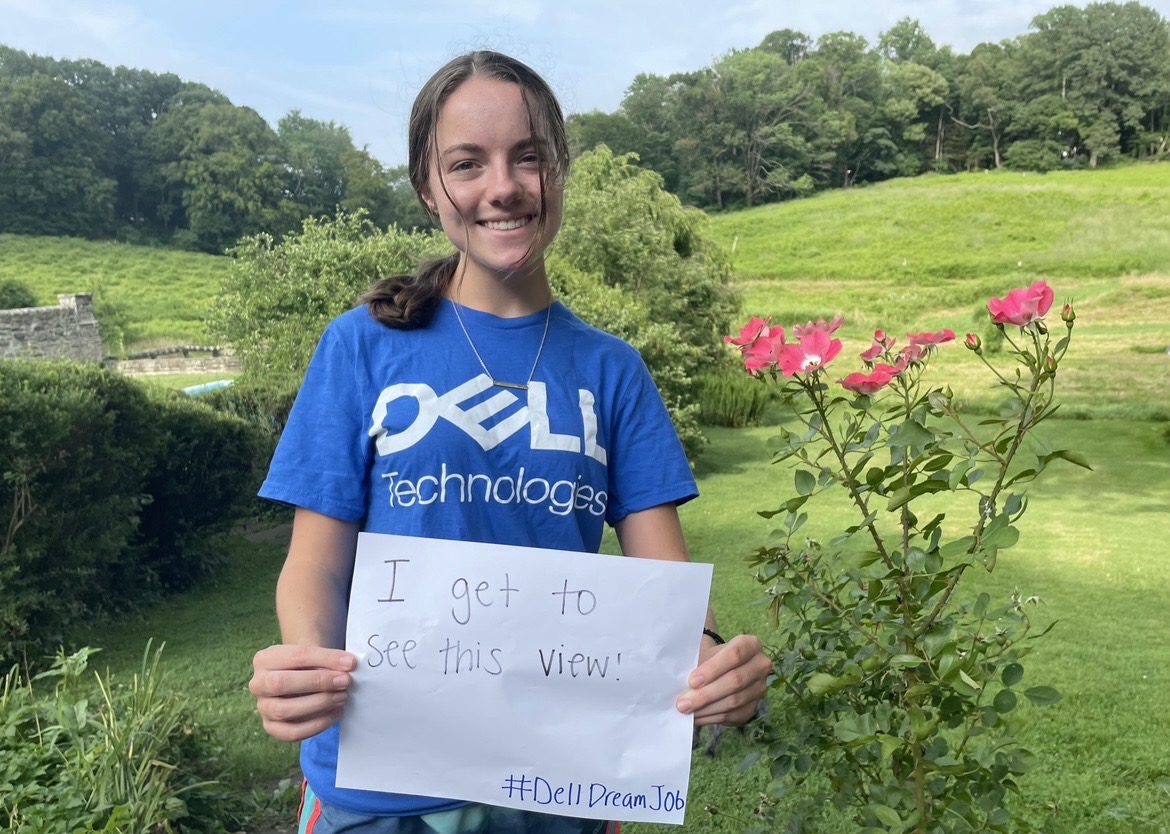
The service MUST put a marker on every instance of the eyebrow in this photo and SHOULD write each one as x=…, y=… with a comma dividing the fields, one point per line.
x=471, y=147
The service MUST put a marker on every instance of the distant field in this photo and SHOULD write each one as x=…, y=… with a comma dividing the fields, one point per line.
x=155, y=296
x=926, y=253
x=1070, y=223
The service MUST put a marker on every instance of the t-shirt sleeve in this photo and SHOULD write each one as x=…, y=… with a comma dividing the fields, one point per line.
x=647, y=465
x=323, y=456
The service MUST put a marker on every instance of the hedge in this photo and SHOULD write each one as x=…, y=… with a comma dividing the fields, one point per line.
x=108, y=493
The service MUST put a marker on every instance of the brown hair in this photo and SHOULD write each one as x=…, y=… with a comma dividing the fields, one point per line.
x=405, y=301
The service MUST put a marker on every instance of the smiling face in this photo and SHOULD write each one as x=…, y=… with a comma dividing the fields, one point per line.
x=485, y=187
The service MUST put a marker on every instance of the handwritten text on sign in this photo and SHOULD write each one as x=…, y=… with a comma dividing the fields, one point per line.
x=522, y=677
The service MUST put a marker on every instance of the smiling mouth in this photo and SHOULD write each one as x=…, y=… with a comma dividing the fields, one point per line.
x=507, y=225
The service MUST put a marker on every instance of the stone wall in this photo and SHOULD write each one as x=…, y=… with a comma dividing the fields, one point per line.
x=173, y=365
x=67, y=331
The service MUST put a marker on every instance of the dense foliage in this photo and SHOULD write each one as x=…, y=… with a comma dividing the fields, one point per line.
x=108, y=492
x=14, y=295
x=101, y=755
x=92, y=151
x=793, y=115
x=630, y=259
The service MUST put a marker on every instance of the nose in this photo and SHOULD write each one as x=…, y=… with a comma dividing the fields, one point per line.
x=504, y=186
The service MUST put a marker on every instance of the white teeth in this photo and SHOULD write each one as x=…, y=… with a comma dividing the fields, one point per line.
x=505, y=225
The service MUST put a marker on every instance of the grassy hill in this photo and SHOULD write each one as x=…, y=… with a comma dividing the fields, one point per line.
x=154, y=296
x=925, y=253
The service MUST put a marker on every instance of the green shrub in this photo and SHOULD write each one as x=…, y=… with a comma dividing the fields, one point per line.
x=15, y=295
x=103, y=755
x=732, y=399
x=108, y=491
x=75, y=445
x=262, y=402
x=207, y=472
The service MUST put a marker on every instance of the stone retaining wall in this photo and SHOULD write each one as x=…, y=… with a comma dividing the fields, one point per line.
x=67, y=331
x=176, y=365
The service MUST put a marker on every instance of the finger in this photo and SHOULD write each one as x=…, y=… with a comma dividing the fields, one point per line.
x=283, y=656
x=735, y=694
x=300, y=725
x=736, y=691
x=736, y=652
x=268, y=683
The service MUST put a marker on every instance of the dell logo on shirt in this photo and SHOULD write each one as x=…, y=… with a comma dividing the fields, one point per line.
x=432, y=406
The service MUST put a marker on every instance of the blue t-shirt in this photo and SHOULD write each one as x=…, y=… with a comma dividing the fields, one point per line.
x=403, y=432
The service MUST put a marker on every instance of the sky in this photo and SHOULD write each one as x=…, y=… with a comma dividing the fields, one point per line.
x=360, y=62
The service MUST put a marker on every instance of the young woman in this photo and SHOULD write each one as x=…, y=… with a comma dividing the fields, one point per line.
x=455, y=376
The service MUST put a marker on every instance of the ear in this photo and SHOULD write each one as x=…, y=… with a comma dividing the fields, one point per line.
x=428, y=201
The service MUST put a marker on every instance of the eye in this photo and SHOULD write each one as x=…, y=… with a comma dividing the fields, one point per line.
x=463, y=165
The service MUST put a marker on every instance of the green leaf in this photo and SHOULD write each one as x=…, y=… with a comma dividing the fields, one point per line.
x=822, y=684
x=957, y=474
x=1071, y=457
x=805, y=482
x=1004, y=702
x=887, y=816
x=1013, y=673
x=901, y=661
x=899, y=498
x=1042, y=696
x=910, y=433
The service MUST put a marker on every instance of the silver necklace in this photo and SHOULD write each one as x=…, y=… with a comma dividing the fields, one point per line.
x=515, y=386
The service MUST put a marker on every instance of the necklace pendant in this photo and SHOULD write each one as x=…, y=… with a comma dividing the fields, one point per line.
x=515, y=386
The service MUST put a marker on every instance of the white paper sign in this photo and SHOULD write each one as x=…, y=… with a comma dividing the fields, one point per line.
x=526, y=678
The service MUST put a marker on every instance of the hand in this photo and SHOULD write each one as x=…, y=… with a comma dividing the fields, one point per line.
x=300, y=690
x=728, y=683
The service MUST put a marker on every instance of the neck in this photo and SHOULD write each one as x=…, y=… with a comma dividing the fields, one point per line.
x=507, y=295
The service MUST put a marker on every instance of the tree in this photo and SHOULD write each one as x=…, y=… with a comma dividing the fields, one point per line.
x=989, y=89
x=221, y=174
x=623, y=227
x=1110, y=62
x=53, y=183
x=313, y=152
x=275, y=304
x=614, y=130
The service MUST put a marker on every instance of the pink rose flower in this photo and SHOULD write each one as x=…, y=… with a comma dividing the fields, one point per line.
x=830, y=328
x=869, y=384
x=936, y=338
x=815, y=350
x=751, y=331
x=909, y=355
x=873, y=353
x=763, y=353
x=974, y=342
x=1022, y=306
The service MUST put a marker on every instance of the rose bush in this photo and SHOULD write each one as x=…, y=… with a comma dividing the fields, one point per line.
x=901, y=687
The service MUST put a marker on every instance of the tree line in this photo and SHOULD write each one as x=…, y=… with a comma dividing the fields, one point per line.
x=123, y=153
x=91, y=151
x=793, y=115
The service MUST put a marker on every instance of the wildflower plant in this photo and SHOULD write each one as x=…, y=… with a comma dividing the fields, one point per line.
x=901, y=686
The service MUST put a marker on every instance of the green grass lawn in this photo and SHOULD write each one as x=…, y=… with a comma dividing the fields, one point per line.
x=1092, y=549
x=156, y=296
